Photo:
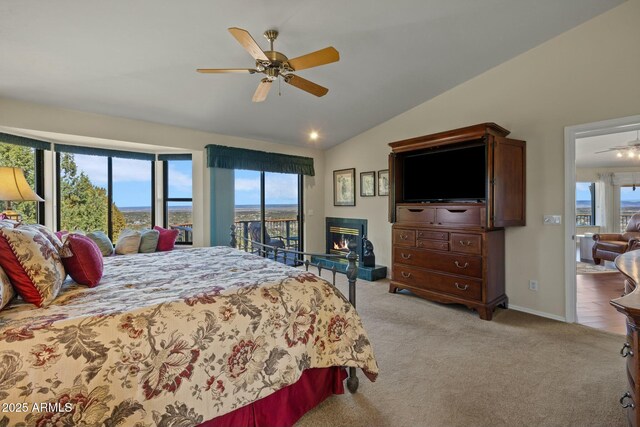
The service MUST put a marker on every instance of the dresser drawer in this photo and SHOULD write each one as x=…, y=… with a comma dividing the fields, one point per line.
x=459, y=215
x=404, y=237
x=466, y=243
x=433, y=244
x=465, y=265
x=421, y=279
x=433, y=235
x=628, y=351
x=415, y=214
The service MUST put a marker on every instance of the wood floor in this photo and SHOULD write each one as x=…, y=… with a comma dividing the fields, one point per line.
x=593, y=296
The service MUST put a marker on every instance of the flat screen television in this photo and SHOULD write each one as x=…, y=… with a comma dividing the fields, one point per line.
x=456, y=174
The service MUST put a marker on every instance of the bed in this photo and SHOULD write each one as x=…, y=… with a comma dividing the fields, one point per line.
x=182, y=338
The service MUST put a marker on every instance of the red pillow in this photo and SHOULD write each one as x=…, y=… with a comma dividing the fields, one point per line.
x=82, y=259
x=167, y=239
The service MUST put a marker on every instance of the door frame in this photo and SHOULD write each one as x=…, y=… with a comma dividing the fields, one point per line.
x=571, y=133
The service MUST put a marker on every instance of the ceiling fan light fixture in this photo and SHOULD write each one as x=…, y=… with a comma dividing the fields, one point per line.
x=618, y=154
x=313, y=135
x=630, y=154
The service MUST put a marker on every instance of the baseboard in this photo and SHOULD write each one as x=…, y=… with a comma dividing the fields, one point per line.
x=538, y=313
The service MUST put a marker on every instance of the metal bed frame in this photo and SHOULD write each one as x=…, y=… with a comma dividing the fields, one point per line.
x=304, y=258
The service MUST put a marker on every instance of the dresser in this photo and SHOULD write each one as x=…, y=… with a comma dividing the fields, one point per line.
x=449, y=259
x=449, y=216
x=629, y=305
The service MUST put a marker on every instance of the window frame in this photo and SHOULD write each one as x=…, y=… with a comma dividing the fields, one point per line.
x=592, y=191
x=166, y=199
x=109, y=230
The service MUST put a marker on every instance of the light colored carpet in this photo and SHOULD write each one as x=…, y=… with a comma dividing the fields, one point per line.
x=441, y=365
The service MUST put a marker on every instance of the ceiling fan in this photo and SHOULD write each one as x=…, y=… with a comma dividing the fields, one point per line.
x=275, y=64
x=632, y=149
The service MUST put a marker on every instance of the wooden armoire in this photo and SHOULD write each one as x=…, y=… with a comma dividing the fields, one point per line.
x=451, y=249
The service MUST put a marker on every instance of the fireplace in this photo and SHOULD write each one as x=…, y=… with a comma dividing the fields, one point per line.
x=342, y=230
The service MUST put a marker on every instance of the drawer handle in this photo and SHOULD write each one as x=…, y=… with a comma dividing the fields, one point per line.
x=462, y=288
x=466, y=264
x=626, y=350
x=415, y=210
x=405, y=275
x=629, y=404
x=404, y=236
x=467, y=243
x=405, y=256
x=457, y=210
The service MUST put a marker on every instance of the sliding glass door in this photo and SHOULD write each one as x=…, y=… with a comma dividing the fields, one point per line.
x=272, y=202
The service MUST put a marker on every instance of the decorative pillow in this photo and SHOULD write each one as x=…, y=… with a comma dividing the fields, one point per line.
x=8, y=223
x=6, y=290
x=167, y=239
x=82, y=259
x=128, y=242
x=148, y=241
x=61, y=235
x=103, y=242
x=48, y=234
x=32, y=264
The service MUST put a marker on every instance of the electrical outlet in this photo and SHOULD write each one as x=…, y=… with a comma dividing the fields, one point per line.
x=552, y=219
x=533, y=285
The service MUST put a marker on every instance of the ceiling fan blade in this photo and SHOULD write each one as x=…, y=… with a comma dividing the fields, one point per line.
x=315, y=59
x=306, y=85
x=227, y=70
x=248, y=43
x=262, y=91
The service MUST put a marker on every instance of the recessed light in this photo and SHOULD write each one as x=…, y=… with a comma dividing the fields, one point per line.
x=313, y=135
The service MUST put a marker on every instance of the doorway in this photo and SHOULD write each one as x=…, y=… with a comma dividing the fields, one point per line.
x=598, y=168
x=272, y=202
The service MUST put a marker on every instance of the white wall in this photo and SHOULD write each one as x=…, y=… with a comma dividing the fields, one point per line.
x=23, y=115
x=588, y=74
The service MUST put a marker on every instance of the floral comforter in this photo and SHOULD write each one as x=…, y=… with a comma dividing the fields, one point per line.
x=172, y=339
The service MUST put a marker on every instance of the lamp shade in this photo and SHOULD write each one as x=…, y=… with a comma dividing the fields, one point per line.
x=14, y=187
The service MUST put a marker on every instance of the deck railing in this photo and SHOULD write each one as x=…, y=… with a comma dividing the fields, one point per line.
x=585, y=219
x=284, y=229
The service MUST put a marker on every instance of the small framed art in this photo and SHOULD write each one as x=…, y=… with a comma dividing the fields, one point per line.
x=344, y=187
x=383, y=182
x=367, y=184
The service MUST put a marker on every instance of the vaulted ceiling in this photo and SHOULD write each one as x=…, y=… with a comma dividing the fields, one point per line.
x=138, y=59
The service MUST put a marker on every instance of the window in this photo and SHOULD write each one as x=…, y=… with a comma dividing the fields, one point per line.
x=99, y=191
x=31, y=160
x=629, y=204
x=585, y=203
x=178, y=195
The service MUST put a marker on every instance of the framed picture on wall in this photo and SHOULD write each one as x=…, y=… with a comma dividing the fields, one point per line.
x=367, y=184
x=344, y=187
x=383, y=182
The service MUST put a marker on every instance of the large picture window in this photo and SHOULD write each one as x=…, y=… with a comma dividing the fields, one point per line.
x=178, y=195
x=30, y=160
x=98, y=191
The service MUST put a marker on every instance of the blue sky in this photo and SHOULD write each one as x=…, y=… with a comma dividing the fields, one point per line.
x=280, y=188
x=626, y=193
x=132, y=178
x=132, y=182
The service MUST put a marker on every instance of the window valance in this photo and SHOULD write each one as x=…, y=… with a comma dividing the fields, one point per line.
x=24, y=142
x=219, y=156
x=91, y=151
x=163, y=157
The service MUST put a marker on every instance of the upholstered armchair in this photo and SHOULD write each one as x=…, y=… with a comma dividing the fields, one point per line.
x=608, y=246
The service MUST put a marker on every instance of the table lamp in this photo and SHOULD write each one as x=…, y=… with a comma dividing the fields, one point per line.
x=15, y=188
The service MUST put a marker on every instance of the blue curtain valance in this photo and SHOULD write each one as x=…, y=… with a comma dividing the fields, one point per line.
x=220, y=156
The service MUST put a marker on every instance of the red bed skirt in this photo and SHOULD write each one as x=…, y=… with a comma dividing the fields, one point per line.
x=284, y=407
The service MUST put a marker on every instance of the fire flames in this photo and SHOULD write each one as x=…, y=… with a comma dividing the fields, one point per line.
x=341, y=245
